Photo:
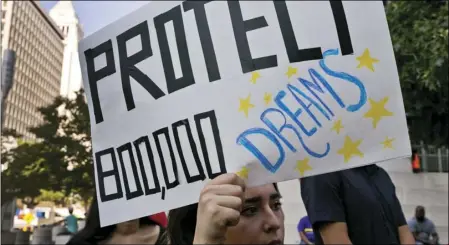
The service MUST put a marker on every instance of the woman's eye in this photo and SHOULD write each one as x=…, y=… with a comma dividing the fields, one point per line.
x=277, y=205
x=249, y=211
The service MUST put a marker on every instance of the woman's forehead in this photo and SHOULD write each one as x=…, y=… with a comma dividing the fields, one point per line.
x=263, y=191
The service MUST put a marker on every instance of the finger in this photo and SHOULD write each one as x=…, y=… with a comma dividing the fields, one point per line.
x=228, y=217
x=240, y=182
x=228, y=178
x=229, y=202
x=225, y=190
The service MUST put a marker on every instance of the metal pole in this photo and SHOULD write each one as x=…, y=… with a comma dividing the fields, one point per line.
x=446, y=163
x=440, y=161
x=8, y=65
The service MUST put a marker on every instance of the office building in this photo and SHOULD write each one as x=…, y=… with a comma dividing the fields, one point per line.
x=38, y=44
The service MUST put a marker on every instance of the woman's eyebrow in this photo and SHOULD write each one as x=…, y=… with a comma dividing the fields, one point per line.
x=253, y=200
x=276, y=195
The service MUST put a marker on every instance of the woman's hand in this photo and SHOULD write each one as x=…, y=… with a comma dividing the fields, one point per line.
x=218, y=208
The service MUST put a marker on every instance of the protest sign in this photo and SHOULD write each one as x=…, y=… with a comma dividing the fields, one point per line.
x=180, y=92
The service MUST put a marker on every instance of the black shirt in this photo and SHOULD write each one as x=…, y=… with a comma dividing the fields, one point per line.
x=364, y=198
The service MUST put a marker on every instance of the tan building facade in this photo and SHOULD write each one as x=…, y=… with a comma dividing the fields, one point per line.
x=38, y=44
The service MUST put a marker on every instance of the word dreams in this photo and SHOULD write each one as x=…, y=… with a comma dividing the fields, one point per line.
x=144, y=143
x=128, y=68
x=274, y=133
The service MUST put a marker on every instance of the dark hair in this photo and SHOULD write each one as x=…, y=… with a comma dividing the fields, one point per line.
x=420, y=208
x=93, y=233
x=182, y=223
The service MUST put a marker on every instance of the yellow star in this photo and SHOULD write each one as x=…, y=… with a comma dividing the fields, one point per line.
x=366, y=60
x=245, y=105
x=291, y=71
x=254, y=76
x=267, y=98
x=302, y=166
x=337, y=126
x=350, y=148
x=377, y=111
x=243, y=173
x=388, y=143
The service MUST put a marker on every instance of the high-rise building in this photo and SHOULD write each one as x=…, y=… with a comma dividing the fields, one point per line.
x=38, y=44
x=64, y=15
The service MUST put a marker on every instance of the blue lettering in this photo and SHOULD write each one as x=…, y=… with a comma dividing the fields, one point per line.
x=294, y=89
x=243, y=140
x=316, y=86
x=345, y=76
x=315, y=75
x=278, y=132
x=274, y=129
x=293, y=116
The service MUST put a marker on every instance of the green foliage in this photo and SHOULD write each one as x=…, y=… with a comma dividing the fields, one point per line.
x=8, y=140
x=25, y=174
x=57, y=197
x=60, y=160
x=419, y=32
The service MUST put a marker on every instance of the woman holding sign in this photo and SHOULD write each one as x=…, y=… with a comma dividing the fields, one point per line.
x=229, y=213
x=141, y=231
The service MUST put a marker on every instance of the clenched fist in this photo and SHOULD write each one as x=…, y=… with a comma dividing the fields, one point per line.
x=219, y=207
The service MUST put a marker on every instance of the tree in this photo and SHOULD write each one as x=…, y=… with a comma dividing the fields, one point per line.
x=419, y=32
x=76, y=130
x=8, y=141
x=60, y=160
x=25, y=174
x=57, y=197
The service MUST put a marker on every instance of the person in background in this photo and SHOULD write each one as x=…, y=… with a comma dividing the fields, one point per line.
x=139, y=231
x=422, y=228
x=229, y=213
x=305, y=231
x=71, y=222
x=416, y=162
x=355, y=206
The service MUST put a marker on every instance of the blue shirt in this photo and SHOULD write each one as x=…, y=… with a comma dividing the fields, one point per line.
x=305, y=226
x=424, y=228
x=72, y=223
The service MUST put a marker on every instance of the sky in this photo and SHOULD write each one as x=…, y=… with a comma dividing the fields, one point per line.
x=94, y=15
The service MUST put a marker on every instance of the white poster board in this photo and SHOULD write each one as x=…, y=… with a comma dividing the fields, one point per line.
x=180, y=92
